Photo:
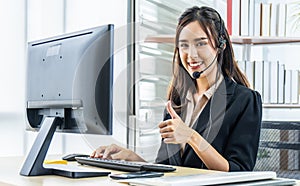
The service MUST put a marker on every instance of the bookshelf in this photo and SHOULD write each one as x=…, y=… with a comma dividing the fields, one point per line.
x=262, y=40
x=280, y=126
x=247, y=42
x=160, y=39
x=251, y=40
x=280, y=138
x=282, y=106
x=268, y=24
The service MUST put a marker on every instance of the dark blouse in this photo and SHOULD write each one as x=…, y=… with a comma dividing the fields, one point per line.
x=230, y=122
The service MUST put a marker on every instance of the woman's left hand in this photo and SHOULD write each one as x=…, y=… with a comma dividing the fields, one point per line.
x=175, y=130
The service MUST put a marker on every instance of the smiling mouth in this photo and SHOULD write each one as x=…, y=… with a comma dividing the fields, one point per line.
x=195, y=64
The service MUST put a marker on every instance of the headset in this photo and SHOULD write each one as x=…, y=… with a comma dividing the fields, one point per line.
x=221, y=46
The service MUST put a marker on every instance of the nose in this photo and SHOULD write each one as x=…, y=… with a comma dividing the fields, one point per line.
x=192, y=52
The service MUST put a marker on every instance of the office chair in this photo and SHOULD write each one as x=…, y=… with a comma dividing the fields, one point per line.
x=279, y=148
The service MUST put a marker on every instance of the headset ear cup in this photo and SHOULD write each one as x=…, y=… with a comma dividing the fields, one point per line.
x=221, y=43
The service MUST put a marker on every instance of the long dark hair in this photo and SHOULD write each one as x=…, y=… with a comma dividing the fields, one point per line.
x=213, y=25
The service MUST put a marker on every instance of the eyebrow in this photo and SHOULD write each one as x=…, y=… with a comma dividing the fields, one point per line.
x=197, y=39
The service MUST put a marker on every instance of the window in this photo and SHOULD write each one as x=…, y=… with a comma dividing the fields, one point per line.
x=32, y=20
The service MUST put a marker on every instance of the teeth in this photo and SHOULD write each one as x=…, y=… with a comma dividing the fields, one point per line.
x=195, y=64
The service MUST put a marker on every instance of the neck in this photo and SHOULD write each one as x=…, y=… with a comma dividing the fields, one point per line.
x=205, y=82
x=202, y=85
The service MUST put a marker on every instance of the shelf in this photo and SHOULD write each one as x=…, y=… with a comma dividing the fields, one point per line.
x=161, y=39
x=260, y=40
x=279, y=106
x=253, y=40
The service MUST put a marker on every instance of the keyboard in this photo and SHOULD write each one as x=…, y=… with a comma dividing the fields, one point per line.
x=124, y=165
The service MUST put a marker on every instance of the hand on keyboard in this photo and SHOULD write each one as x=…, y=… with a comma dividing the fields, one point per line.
x=124, y=165
x=116, y=152
x=119, y=158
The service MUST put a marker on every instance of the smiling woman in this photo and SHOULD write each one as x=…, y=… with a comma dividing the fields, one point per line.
x=208, y=104
x=211, y=121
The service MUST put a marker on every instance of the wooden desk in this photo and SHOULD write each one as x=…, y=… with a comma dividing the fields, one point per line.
x=10, y=168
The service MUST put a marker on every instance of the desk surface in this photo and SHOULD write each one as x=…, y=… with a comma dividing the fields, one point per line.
x=10, y=168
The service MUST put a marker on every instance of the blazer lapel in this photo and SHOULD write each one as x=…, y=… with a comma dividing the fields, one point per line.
x=209, y=129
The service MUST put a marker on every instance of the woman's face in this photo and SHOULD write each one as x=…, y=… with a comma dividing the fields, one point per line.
x=195, y=51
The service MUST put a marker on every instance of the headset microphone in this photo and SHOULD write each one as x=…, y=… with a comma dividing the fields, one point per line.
x=197, y=74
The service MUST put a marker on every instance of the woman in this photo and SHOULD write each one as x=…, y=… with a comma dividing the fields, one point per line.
x=213, y=118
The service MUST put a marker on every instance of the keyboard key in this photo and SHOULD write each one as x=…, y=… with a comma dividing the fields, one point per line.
x=124, y=165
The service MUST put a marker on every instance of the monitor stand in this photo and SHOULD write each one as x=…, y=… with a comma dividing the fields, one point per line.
x=33, y=165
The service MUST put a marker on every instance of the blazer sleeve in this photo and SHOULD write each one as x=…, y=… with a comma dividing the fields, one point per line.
x=243, y=144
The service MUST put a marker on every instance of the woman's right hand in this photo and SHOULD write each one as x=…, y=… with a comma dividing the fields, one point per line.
x=115, y=152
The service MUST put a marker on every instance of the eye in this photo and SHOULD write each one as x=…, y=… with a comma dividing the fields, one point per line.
x=200, y=43
x=183, y=45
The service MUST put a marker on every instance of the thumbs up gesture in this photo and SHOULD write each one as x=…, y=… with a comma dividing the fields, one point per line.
x=175, y=130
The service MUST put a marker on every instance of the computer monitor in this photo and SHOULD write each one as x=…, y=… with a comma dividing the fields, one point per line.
x=69, y=89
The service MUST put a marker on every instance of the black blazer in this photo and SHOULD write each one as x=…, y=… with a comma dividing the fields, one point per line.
x=232, y=128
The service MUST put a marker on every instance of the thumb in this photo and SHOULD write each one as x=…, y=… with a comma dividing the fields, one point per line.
x=171, y=111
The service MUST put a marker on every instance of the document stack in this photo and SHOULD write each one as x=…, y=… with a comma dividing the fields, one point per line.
x=276, y=84
x=262, y=18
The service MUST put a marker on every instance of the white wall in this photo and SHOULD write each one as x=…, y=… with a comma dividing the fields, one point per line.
x=82, y=14
x=12, y=55
x=47, y=18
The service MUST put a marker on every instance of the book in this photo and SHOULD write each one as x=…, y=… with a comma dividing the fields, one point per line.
x=273, y=20
x=281, y=68
x=249, y=72
x=265, y=18
x=251, y=18
x=236, y=15
x=257, y=19
x=244, y=4
x=295, y=86
x=287, y=86
x=258, y=77
x=281, y=19
x=274, y=65
x=266, y=77
x=242, y=66
x=290, y=25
